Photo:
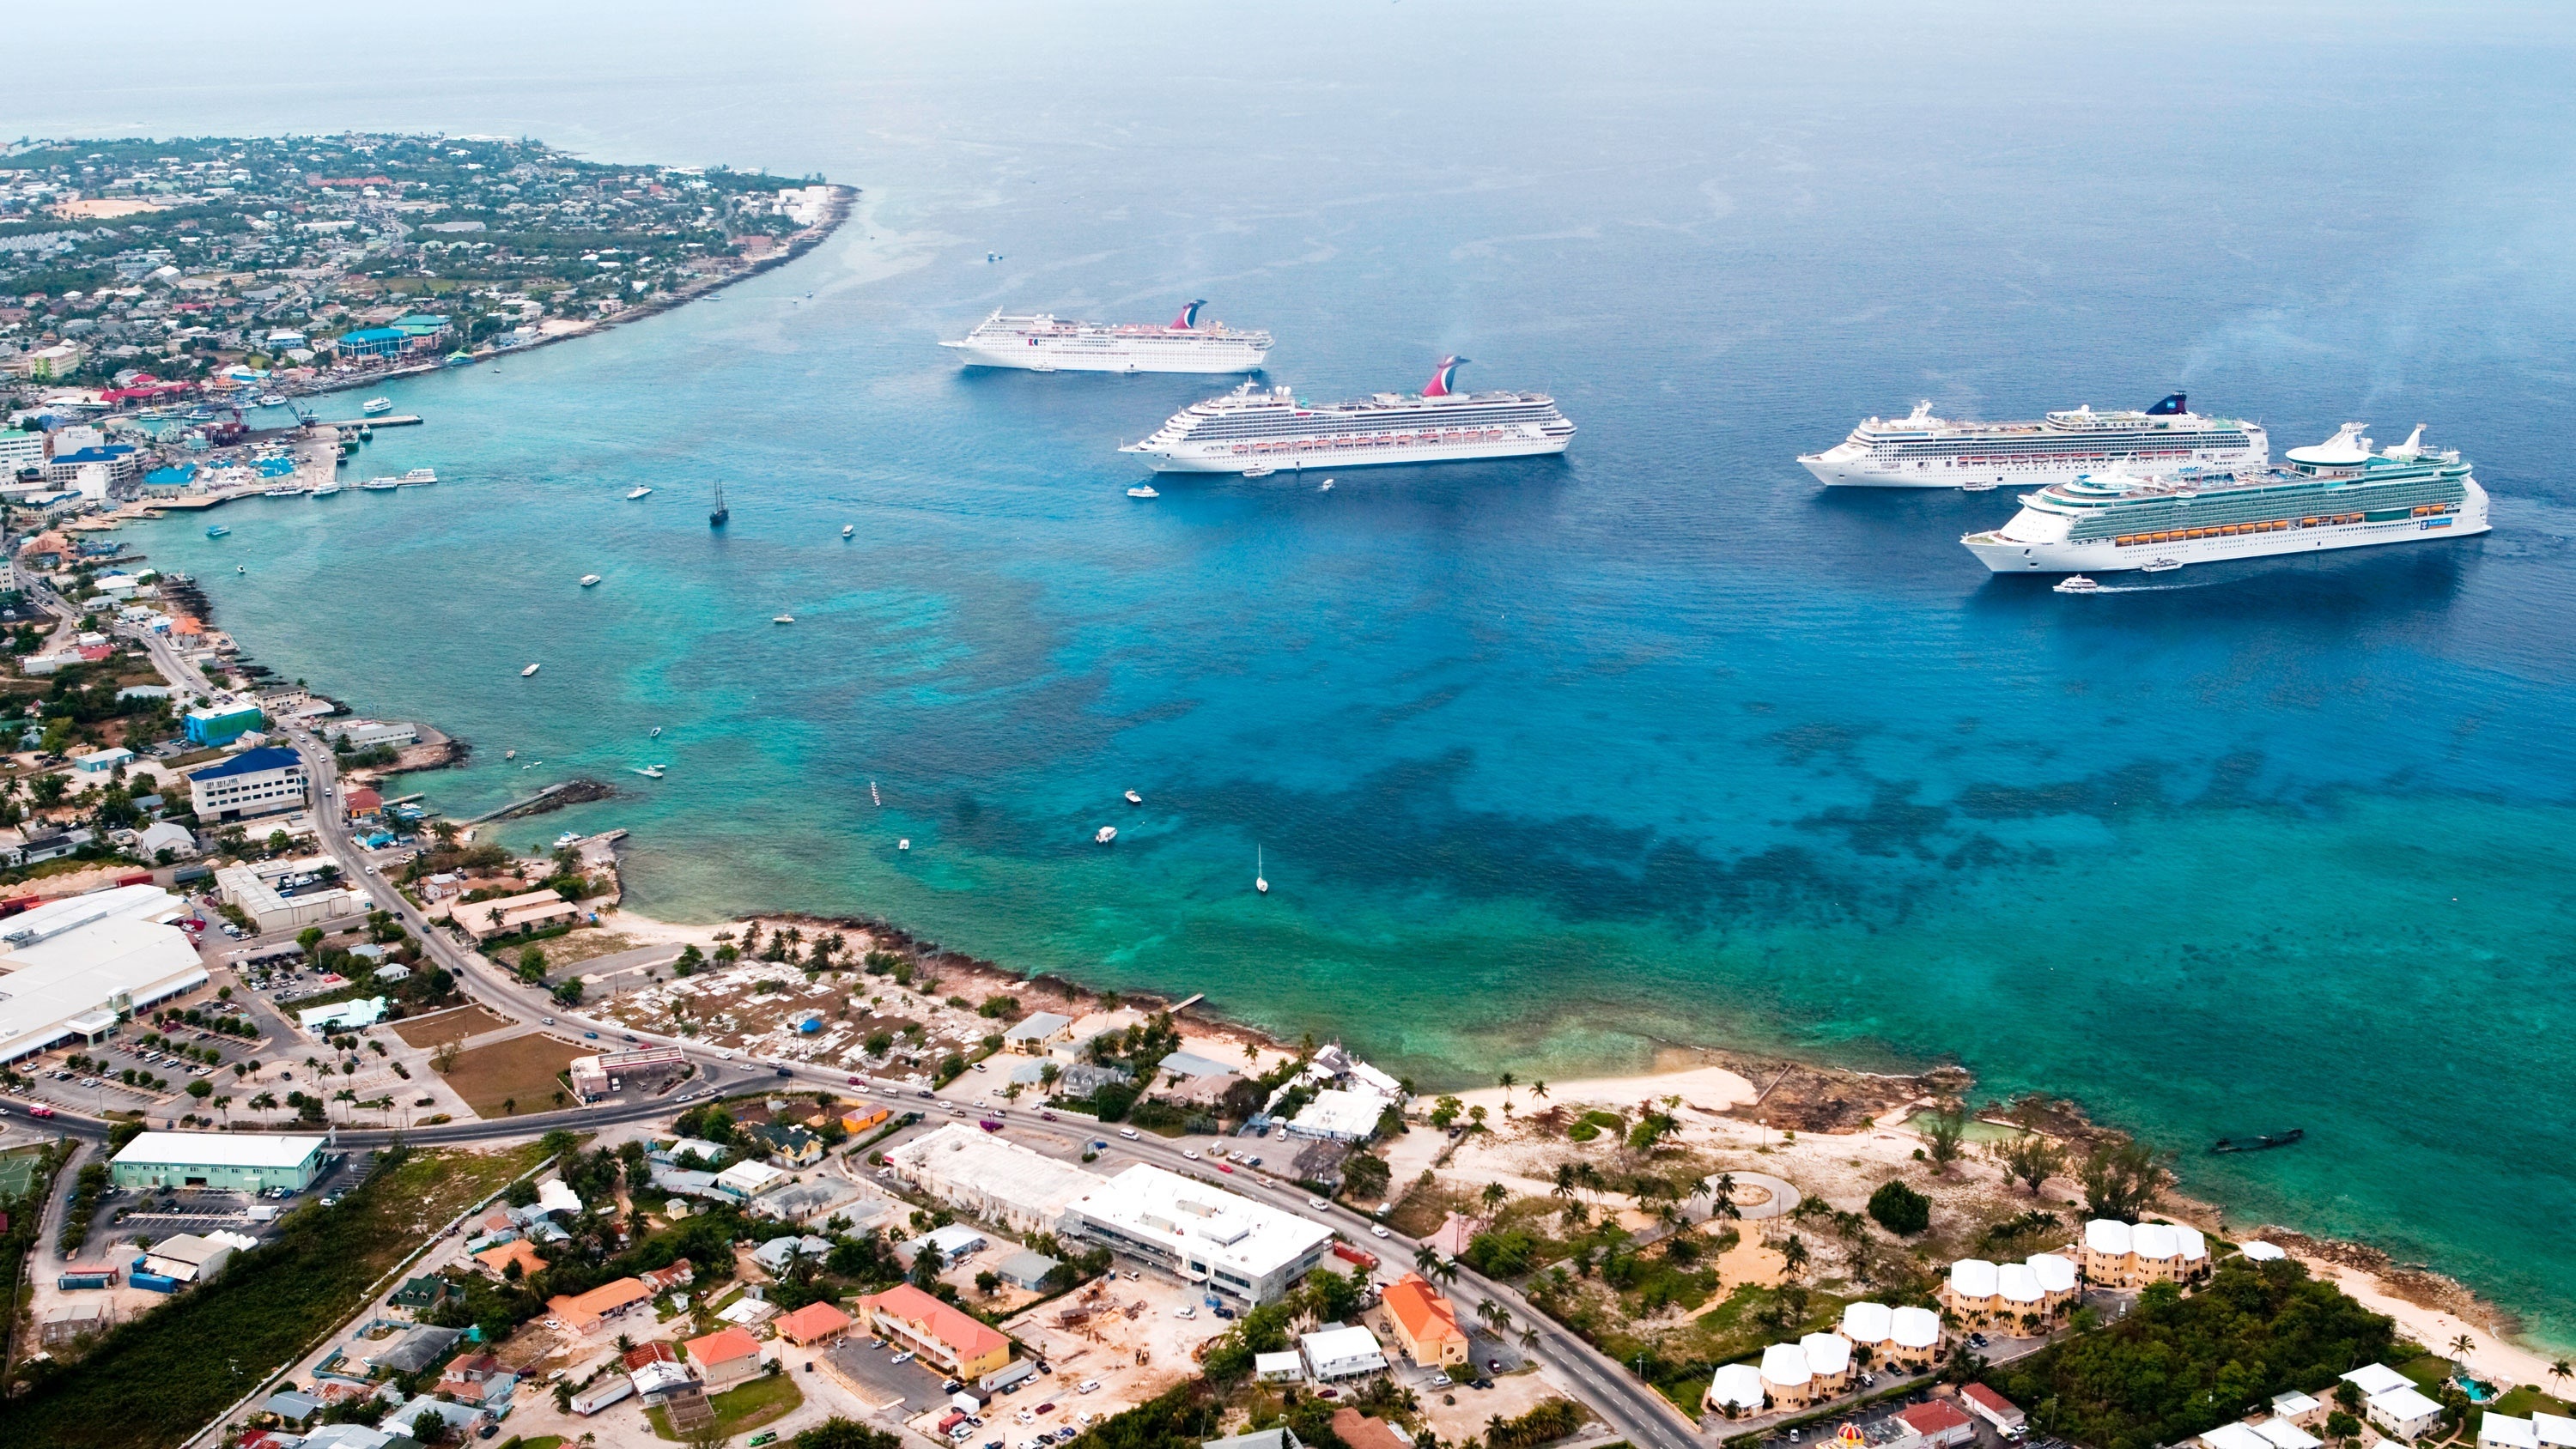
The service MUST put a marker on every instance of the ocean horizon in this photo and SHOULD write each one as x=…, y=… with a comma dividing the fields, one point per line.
x=1552, y=764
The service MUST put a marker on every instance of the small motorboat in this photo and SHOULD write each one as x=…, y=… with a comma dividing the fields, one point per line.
x=2262, y=1142
x=1324, y=487
x=2160, y=566
x=376, y=406
x=655, y=734
x=241, y=568
x=1107, y=834
x=640, y=491
x=381, y=485
x=524, y=673
x=903, y=844
x=509, y=754
x=1143, y=490
x=421, y=475
x=328, y=490
x=589, y=579
x=1979, y=486
x=2076, y=584
x=1260, y=880
x=272, y=400
x=782, y=618
x=1259, y=470
x=217, y=531
x=1135, y=799
x=848, y=528
x=649, y=772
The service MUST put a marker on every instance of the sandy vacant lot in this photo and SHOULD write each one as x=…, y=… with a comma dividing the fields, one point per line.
x=521, y=1070
x=446, y=1026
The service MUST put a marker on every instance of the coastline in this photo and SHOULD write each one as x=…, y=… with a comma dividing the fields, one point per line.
x=1812, y=1118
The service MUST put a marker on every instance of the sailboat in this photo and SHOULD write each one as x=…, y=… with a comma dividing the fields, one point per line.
x=717, y=518
x=1260, y=882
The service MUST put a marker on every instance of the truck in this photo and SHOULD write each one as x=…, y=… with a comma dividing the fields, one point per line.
x=1349, y=1254
x=602, y=1394
x=87, y=1278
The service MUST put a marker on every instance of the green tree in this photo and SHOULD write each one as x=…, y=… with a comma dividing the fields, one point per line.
x=2030, y=1159
x=1949, y=1128
x=2122, y=1179
x=1900, y=1209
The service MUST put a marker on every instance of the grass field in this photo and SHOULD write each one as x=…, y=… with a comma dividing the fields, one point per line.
x=745, y=1407
x=521, y=1070
x=446, y=1026
x=155, y=1379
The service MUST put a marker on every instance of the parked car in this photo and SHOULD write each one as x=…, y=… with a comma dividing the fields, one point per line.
x=1377, y=1230
x=904, y=1357
x=1127, y=1132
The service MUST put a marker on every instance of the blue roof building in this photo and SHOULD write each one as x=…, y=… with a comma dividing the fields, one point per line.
x=374, y=342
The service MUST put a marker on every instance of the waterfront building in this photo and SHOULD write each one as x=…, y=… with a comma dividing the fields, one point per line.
x=374, y=342
x=2119, y=1255
x=510, y=915
x=1199, y=1233
x=1339, y=1116
x=2404, y=1413
x=219, y=724
x=225, y=1161
x=999, y=1181
x=1036, y=1032
x=265, y=781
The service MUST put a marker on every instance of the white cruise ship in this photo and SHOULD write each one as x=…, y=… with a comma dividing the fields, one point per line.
x=1042, y=343
x=1922, y=451
x=1257, y=432
x=2336, y=494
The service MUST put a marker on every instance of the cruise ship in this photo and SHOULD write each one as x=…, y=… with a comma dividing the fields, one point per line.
x=2335, y=494
x=1042, y=343
x=1922, y=451
x=1261, y=431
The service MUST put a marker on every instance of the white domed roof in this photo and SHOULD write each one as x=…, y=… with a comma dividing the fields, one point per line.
x=1972, y=1278
x=1914, y=1327
x=2195, y=1248
x=2108, y=1235
x=2017, y=1283
x=2055, y=1274
x=1865, y=1322
x=2156, y=1242
x=1739, y=1384
x=1784, y=1365
x=2256, y=1250
x=1827, y=1354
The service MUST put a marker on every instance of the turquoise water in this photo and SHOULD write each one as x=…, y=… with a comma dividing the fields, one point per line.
x=1553, y=763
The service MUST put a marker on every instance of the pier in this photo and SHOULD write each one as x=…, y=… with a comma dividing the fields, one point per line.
x=389, y=420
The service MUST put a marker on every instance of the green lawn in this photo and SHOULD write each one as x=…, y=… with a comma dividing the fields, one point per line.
x=2523, y=1400
x=747, y=1406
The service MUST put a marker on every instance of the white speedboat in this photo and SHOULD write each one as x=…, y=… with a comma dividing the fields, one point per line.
x=421, y=475
x=2076, y=584
x=1107, y=834
x=2160, y=566
x=782, y=618
x=328, y=490
x=649, y=772
x=1981, y=485
x=381, y=485
x=848, y=528
x=589, y=579
x=655, y=734
x=1260, y=880
x=531, y=669
x=376, y=406
x=1135, y=799
x=1324, y=487
x=640, y=491
x=1143, y=490
x=1259, y=470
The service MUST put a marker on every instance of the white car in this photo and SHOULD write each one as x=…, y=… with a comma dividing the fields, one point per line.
x=1087, y=1386
x=1192, y=1156
x=1127, y=1132
x=904, y=1357
x=1318, y=1204
x=1377, y=1230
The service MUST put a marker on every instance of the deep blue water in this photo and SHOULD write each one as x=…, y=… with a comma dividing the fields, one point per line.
x=1550, y=763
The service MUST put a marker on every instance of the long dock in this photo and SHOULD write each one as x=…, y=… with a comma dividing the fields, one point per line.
x=389, y=420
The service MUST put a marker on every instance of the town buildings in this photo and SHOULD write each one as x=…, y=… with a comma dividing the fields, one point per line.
x=231, y=1161
x=1199, y=1233
x=965, y=1346
x=70, y=968
x=269, y=780
x=982, y=1174
x=281, y=895
x=2012, y=1298
x=1424, y=1324
x=2122, y=1255
x=584, y=1312
x=1334, y=1354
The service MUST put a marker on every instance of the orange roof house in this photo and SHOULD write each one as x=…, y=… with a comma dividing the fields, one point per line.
x=1425, y=1323
x=965, y=1346
x=583, y=1312
x=498, y=1260
x=725, y=1355
x=812, y=1323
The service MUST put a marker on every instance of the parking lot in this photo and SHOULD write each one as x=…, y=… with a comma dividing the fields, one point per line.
x=881, y=1381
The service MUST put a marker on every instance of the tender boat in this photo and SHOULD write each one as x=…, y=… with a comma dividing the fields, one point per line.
x=649, y=772
x=272, y=400
x=289, y=491
x=1981, y=485
x=1135, y=799
x=2160, y=566
x=848, y=528
x=782, y=618
x=328, y=489
x=524, y=673
x=381, y=485
x=1143, y=490
x=1324, y=487
x=904, y=844
x=421, y=475
x=589, y=579
x=376, y=406
x=2076, y=584
x=1259, y=470
x=217, y=531
x=509, y=754
x=1107, y=834
x=640, y=491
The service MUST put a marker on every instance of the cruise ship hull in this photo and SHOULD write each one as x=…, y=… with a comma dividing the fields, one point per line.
x=1863, y=471
x=2004, y=553
x=1300, y=455
x=1211, y=358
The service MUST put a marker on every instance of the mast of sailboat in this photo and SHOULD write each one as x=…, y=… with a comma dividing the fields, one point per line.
x=721, y=513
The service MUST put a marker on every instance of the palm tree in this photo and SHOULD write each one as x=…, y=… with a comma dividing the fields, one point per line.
x=2561, y=1372
x=1507, y=1079
x=1721, y=1199
x=1564, y=1181
x=1493, y=1197
x=1425, y=1261
x=2462, y=1347
x=1793, y=1255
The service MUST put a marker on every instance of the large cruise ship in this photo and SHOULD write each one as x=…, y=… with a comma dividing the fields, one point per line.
x=1922, y=451
x=2335, y=494
x=1043, y=343
x=1257, y=432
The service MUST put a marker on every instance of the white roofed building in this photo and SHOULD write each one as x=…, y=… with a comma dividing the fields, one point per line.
x=1002, y=1182
x=1199, y=1232
x=1865, y=1325
x=1736, y=1390
x=2374, y=1379
x=68, y=968
x=1913, y=1336
x=1341, y=1353
x=1339, y=1116
x=2234, y=1435
x=2057, y=1284
x=2404, y=1413
x=1785, y=1377
x=1968, y=1294
x=2118, y=1255
x=1829, y=1363
x=227, y=1161
x=2282, y=1434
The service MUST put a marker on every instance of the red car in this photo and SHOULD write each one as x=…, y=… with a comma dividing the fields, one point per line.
x=40, y=1110
x=1225, y=1167
x=855, y=1082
